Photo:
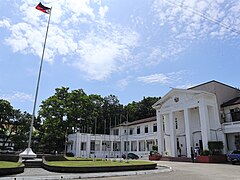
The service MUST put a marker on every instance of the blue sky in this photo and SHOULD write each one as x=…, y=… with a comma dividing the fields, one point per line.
x=127, y=48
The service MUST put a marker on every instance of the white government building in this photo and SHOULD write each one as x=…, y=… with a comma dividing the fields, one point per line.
x=185, y=118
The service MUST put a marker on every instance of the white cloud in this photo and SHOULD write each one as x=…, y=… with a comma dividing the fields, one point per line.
x=5, y=23
x=102, y=11
x=82, y=35
x=198, y=19
x=101, y=56
x=123, y=83
x=17, y=97
x=78, y=30
x=161, y=78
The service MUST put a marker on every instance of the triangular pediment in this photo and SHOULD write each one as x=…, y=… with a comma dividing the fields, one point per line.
x=177, y=97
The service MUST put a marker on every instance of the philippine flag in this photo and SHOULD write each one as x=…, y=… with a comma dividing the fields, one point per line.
x=43, y=8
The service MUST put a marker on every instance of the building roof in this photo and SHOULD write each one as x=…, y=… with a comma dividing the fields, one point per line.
x=213, y=81
x=231, y=102
x=150, y=119
x=140, y=121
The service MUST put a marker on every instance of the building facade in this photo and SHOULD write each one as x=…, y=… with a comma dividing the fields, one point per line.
x=186, y=119
x=137, y=137
x=189, y=118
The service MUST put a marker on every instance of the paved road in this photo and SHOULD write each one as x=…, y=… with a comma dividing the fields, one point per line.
x=180, y=171
x=190, y=171
x=41, y=174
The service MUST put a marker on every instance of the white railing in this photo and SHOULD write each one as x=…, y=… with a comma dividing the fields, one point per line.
x=231, y=127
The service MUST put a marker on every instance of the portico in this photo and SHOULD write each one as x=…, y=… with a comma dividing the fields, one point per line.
x=185, y=119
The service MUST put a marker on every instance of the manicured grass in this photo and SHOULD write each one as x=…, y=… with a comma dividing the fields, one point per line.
x=82, y=159
x=96, y=163
x=7, y=164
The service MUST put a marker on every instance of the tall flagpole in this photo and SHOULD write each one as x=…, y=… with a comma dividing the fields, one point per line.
x=28, y=153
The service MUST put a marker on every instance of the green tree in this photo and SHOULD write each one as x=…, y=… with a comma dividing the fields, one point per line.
x=51, y=114
x=6, y=121
x=21, y=127
x=142, y=109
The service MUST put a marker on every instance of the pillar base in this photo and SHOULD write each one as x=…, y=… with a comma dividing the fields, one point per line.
x=28, y=154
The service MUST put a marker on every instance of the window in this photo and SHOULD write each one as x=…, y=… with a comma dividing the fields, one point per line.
x=92, y=146
x=176, y=123
x=83, y=146
x=146, y=129
x=126, y=146
x=116, y=146
x=154, y=127
x=237, y=141
x=235, y=114
x=133, y=145
x=131, y=131
x=116, y=132
x=138, y=130
x=163, y=126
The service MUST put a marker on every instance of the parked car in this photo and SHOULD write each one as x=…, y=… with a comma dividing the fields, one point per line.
x=130, y=156
x=234, y=156
x=7, y=150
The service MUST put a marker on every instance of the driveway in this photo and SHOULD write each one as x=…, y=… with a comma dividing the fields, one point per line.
x=180, y=171
x=190, y=171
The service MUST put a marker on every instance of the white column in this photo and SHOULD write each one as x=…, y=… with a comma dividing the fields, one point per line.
x=80, y=144
x=187, y=132
x=101, y=151
x=137, y=146
x=77, y=144
x=122, y=145
x=204, y=121
x=172, y=135
x=160, y=135
x=88, y=145
x=130, y=146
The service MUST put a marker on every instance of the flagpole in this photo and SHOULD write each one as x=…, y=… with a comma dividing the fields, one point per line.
x=29, y=152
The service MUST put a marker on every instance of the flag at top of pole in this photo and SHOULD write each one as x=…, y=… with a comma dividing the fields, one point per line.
x=43, y=8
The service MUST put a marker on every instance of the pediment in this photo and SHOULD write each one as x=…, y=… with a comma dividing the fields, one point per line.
x=176, y=97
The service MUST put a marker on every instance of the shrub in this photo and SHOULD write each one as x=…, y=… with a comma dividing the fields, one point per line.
x=215, y=147
x=205, y=152
x=69, y=154
x=155, y=148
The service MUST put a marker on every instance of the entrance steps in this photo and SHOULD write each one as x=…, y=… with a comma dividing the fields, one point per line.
x=32, y=163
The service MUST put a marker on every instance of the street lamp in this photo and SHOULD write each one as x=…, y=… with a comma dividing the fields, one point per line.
x=65, y=145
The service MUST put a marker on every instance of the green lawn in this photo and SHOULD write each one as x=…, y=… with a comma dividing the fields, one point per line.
x=82, y=159
x=96, y=163
x=7, y=164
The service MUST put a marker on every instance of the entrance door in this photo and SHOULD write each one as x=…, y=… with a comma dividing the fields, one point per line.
x=201, y=146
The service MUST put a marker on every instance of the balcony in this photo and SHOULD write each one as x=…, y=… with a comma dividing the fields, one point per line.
x=231, y=127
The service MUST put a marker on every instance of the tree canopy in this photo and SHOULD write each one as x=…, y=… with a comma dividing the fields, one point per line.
x=68, y=112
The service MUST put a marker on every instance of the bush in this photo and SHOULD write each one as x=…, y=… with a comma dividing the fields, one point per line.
x=215, y=147
x=205, y=152
x=69, y=154
x=155, y=148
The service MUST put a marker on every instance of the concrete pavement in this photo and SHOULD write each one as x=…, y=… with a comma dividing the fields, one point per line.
x=41, y=174
x=178, y=171
x=190, y=171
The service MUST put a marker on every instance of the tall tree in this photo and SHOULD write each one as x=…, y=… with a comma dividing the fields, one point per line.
x=52, y=112
x=142, y=109
x=6, y=120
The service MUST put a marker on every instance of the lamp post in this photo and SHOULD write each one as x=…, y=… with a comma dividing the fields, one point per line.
x=65, y=145
x=77, y=129
x=95, y=129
